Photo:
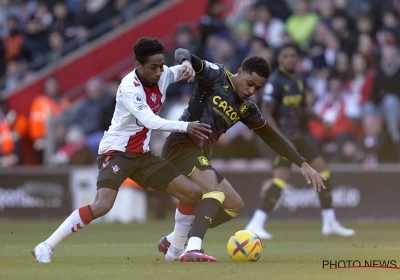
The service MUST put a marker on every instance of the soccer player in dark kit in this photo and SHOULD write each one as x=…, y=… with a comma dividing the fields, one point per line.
x=221, y=99
x=285, y=109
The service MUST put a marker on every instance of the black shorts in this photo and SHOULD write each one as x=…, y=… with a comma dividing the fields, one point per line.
x=147, y=170
x=305, y=146
x=182, y=153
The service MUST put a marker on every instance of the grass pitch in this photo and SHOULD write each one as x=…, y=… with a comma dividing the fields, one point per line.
x=117, y=251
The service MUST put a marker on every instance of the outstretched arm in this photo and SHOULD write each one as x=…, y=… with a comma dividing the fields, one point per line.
x=283, y=147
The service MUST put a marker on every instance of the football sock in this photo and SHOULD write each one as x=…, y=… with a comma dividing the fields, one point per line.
x=328, y=216
x=258, y=220
x=325, y=195
x=77, y=220
x=272, y=195
x=183, y=222
x=203, y=216
x=223, y=215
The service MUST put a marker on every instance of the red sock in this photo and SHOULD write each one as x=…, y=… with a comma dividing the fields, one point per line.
x=186, y=209
x=86, y=214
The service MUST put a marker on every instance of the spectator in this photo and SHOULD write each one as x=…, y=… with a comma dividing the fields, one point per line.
x=109, y=103
x=376, y=145
x=366, y=46
x=301, y=24
x=359, y=83
x=88, y=114
x=72, y=149
x=341, y=26
x=389, y=33
x=267, y=26
x=340, y=110
x=56, y=44
x=184, y=38
x=9, y=138
x=35, y=43
x=386, y=93
x=211, y=23
x=43, y=108
x=64, y=21
x=13, y=42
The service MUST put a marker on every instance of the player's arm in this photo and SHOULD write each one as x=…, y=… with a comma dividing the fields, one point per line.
x=283, y=147
x=135, y=103
x=182, y=55
x=279, y=144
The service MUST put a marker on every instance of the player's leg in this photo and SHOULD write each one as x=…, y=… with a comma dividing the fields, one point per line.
x=330, y=225
x=270, y=197
x=78, y=219
x=231, y=206
x=180, y=152
x=109, y=180
x=204, y=213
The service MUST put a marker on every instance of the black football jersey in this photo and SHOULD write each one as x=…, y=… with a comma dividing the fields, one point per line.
x=215, y=102
x=287, y=92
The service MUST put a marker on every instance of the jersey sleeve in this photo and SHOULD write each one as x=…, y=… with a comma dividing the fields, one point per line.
x=271, y=92
x=135, y=102
x=209, y=72
x=251, y=116
x=174, y=73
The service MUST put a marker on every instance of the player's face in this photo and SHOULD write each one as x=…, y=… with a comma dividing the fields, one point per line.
x=151, y=71
x=288, y=58
x=247, y=84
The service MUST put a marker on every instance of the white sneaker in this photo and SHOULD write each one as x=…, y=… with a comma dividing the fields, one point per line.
x=42, y=253
x=261, y=232
x=172, y=257
x=336, y=228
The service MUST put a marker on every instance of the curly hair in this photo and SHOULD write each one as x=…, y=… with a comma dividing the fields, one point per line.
x=146, y=47
x=256, y=64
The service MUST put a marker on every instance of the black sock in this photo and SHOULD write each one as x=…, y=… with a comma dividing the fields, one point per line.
x=325, y=195
x=271, y=198
x=205, y=213
x=222, y=216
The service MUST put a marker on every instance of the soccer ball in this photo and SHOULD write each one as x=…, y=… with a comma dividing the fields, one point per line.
x=244, y=246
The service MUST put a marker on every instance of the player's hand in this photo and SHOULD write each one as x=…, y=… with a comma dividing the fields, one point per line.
x=312, y=176
x=188, y=71
x=199, y=130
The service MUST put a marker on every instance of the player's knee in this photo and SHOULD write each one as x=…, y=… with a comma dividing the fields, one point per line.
x=193, y=197
x=238, y=205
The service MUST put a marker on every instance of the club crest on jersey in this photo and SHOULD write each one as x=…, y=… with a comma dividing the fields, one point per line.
x=243, y=108
x=115, y=169
x=137, y=98
x=203, y=161
x=153, y=97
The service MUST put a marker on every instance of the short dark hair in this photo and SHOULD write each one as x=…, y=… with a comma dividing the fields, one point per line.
x=256, y=64
x=146, y=47
x=289, y=46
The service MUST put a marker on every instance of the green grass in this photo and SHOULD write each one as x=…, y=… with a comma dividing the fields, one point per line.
x=116, y=251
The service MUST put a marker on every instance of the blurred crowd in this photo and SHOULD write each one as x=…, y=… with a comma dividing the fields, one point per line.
x=350, y=61
x=38, y=33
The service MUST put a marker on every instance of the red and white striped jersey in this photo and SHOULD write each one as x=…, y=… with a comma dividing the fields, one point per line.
x=136, y=113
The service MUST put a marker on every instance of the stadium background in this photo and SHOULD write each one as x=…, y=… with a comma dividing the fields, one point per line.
x=87, y=47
